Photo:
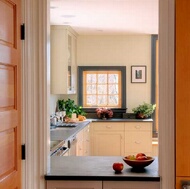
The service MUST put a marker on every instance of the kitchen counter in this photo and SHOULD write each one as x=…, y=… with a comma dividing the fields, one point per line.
x=64, y=133
x=98, y=168
x=121, y=120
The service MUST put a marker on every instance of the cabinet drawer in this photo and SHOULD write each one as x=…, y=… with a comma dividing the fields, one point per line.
x=138, y=141
x=138, y=126
x=109, y=126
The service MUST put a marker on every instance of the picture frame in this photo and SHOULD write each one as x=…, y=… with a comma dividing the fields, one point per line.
x=138, y=74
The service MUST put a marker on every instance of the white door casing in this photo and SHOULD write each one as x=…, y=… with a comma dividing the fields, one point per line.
x=35, y=79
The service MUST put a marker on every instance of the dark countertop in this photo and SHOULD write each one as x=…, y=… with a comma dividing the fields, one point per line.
x=98, y=168
x=63, y=133
x=121, y=120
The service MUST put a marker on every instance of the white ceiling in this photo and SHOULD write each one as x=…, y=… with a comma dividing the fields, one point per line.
x=100, y=17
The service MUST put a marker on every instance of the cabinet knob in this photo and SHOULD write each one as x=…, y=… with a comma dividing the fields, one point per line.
x=137, y=142
x=186, y=186
x=137, y=126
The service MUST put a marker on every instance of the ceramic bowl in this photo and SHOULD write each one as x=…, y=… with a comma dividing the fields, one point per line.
x=138, y=164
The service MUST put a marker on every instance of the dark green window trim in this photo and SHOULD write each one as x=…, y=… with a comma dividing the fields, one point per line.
x=154, y=38
x=102, y=68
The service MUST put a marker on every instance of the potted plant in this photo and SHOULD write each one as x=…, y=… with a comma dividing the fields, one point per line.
x=70, y=107
x=144, y=110
x=104, y=113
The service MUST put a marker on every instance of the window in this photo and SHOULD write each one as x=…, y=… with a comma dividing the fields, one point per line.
x=102, y=86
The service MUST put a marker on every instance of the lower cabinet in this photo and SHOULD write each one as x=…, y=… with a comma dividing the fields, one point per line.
x=86, y=141
x=108, y=139
x=102, y=185
x=74, y=184
x=79, y=144
x=83, y=142
x=121, y=138
x=138, y=137
x=130, y=185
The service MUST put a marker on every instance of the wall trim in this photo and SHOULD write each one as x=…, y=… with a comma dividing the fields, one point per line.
x=35, y=79
x=167, y=93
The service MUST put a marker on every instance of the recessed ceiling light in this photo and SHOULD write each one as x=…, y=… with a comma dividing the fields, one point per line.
x=52, y=7
x=66, y=23
x=68, y=16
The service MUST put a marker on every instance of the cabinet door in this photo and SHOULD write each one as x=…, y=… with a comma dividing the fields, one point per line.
x=71, y=63
x=63, y=60
x=79, y=145
x=136, y=142
x=108, y=138
x=108, y=144
x=130, y=185
x=138, y=138
x=86, y=141
x=74, y=184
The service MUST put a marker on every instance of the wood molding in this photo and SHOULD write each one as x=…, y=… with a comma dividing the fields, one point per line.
x=35, y=79
x=166, y=94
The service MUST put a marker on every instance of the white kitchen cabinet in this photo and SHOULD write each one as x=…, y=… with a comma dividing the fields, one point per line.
x=63, y=60
x=83, y=142
x=130, y=185
x=108, y=139
x=138, y=137
x=101, y=185
x=86, y=141
x=69, y=184
x=79, y=144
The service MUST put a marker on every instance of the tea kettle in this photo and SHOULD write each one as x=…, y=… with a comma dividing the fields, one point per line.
x=53, y=121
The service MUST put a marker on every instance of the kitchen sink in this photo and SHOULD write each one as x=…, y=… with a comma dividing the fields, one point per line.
x=67, y=124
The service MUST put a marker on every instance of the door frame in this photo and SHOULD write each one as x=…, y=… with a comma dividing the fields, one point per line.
x=35, y=93
x=36, y=84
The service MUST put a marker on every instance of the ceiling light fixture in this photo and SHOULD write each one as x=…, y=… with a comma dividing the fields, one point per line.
x=68, y=16
x=52, y=7
x=66, y=23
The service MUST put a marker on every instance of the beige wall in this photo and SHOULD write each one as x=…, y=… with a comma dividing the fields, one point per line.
x=119, y=51
x=126, y=50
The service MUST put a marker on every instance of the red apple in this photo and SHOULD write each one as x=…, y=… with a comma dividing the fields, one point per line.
x=140, y=154
x=141, y=158
x=118, y=167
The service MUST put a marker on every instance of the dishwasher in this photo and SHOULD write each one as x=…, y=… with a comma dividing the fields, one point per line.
x=72, y=146
x=59, y=148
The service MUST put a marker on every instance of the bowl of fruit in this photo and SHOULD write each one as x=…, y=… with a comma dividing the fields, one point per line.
x=138, y=161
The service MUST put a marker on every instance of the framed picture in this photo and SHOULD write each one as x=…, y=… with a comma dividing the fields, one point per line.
x=138, y=74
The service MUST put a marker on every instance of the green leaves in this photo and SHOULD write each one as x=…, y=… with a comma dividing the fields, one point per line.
x=146, y=109
x=70, y=107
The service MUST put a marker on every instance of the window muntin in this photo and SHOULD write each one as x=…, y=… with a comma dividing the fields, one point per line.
x=102, y=89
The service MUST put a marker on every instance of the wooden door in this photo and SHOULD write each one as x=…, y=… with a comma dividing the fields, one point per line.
x=10, y=95
x=182, y=91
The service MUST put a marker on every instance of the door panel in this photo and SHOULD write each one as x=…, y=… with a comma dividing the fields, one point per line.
x=182, y=88
x=10, y=95
x=8, y=11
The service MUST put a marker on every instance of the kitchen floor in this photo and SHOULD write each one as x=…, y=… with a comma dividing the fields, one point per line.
x=155, y=147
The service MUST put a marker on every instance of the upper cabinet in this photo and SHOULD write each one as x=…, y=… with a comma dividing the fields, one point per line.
x=63, y=60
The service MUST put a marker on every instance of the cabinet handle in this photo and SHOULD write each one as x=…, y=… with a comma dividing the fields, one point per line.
x=137, y=142
x=108, y=126
x=137, y=126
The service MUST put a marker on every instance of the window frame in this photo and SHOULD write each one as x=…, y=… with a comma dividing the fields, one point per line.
x=103, y=68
